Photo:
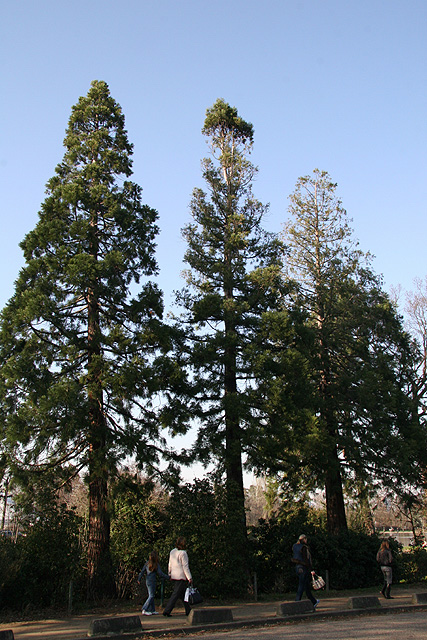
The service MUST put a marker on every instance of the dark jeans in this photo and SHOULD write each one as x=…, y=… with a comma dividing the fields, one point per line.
x=178, y=593
x=304, y=584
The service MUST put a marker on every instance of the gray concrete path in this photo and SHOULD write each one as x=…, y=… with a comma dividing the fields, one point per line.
x=261, y=615
x=402, y=626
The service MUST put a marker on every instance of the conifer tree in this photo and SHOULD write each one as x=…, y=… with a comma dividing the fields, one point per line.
x=360, y=359
x=79, y=338
x=233, y=276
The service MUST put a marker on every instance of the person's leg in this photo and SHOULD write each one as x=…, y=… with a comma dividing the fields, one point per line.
x=389, y=578
x=181, y=596
x=174, y=597
x=300, y=590
x=384, y=589
x=307, y=587
x=145, y=605
x=148, y=606
x=151, y=593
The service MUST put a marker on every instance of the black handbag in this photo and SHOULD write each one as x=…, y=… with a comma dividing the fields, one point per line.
x=194, y=596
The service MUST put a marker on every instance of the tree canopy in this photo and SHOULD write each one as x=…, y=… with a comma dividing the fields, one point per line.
x=233, y=278
x=360, y=360
x=82, y=342
x=288, y=356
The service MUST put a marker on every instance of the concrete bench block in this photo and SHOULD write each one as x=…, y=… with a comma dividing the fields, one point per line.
x=294, y=608
x=363, y=602
x=104, y=626
x=419, y=598
x=209, y=616
x=6, y=634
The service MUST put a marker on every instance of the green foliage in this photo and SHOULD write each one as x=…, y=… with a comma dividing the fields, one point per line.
x=138, y=527
x=412, y=566
x=198, y=512
x=271, y=545
x=350, y=557
x=358, y=360
x=82, y=346
x=233, y=278
x=37, y=570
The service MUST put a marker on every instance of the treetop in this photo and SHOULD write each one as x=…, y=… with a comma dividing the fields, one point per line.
x=221, y=118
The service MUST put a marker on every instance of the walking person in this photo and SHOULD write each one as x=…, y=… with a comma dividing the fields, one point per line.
x=385, y=559
x=180, y=574
x=301, y=557
x=152, y=569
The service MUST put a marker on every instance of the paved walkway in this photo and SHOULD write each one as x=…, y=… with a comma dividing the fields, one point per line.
x=253, y=613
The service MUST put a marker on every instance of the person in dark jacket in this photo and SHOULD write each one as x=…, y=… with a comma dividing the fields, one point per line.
x=301, y=557
x=152, y=569
x=384, y=559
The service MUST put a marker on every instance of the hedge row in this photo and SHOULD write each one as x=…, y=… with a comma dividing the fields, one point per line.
x=36, y=570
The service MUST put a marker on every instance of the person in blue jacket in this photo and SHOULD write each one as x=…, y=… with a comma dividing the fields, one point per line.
x=152, y=569
x=301, y=557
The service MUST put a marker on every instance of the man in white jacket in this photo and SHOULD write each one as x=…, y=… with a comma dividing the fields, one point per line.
x=180, y=574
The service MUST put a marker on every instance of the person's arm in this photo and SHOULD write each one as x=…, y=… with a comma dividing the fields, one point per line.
x=161, y=573
x=141, y=573
x=306, y=556
x=185, y=566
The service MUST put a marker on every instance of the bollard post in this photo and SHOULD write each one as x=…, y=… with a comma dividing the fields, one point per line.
x=162, y=590
x=255, y=586
x=327, y=581
x=70, y=597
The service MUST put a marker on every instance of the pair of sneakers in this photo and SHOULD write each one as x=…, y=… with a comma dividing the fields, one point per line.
x=150, y=613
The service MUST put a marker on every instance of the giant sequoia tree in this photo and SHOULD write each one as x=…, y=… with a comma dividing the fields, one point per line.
x=234, y=268
x=79, y=336
x=360, y=359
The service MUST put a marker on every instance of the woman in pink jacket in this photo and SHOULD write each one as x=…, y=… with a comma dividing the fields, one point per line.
x=180, y=574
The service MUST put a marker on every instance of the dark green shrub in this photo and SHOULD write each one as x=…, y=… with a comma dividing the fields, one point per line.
x=197, y=511
x=137, y=527
x=37, y=570
x=271, y=545
x=349, y=559
x=413, y=565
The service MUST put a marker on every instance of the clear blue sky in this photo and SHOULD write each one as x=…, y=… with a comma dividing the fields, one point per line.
x=340, y=85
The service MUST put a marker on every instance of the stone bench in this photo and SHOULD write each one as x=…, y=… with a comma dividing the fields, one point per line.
x=122, y=624
x=209, y=616
x=6, y=634
x=419, y=598
x=294, y=608
x=363, y=602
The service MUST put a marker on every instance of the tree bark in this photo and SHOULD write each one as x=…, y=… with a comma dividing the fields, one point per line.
x=335, y=509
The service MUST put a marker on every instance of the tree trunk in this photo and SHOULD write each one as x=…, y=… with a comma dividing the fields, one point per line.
x=335, y=509
x=100, y=579
x=233, y=451
x=236, y=514
x=100, y=575
x=5, y=498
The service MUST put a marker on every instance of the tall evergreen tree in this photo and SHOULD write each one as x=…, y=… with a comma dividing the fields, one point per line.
x=79, y=359
x=234, y=269
x=360, y=358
